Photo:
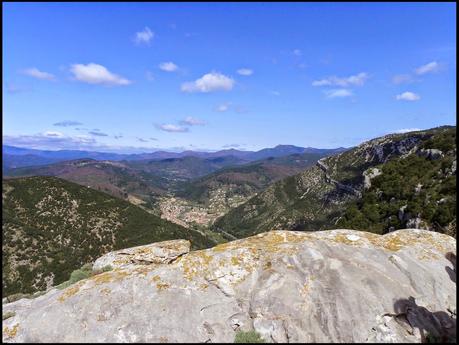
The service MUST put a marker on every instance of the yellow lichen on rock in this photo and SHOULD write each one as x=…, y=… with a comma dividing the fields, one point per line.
x=11, y=333
x=235, y=260
x=105, y=291
x=108, y=277
x=162, y=286
x=195, y=262
x=70, y=291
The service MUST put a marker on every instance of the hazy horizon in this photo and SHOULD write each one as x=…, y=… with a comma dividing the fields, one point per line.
x=160, y=76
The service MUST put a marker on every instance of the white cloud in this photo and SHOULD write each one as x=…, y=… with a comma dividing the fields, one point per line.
x=144, y=36
x=36, y=73
x=407, y=96
x=245, y=71
x=67, y=123
x=97, y=74
x=406, y=130
x=297, y=52
x=98, y=133
x=338, y=93
x=223, y=107
x=168, y=66
x=402, y=78
x=49, y=140
x=209, y=82
x=231, y=146
x=275, y=93
x=191, y=121
x=53, y=134
x=172, y=128
x=428, y=68
x=357, y=80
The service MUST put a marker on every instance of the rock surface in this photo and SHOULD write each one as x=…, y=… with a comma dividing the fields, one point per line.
x=155, y=253
x=326, y=286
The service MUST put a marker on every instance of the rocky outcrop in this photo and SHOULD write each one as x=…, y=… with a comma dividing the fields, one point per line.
x=368, y=175
x=326, y=286
x=339, y=186
x=155, y=253
x=431, y=154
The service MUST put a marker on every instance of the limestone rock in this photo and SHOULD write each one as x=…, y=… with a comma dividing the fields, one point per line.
x=155, y=253
x=369, y=175
x=326, y=286
x=431, y=153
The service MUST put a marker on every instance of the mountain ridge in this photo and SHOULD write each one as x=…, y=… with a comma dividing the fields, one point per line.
x=317, y=197
x=12, y=152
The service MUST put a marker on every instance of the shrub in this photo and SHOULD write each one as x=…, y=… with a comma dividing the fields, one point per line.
x=107, y=268
x=17, y=296
x=77, y=275
x=63, y=285
x=8, y=314
x=248, y=337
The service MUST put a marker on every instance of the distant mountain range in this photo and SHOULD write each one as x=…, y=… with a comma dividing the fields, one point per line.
x=52, y=226
x=392, y=182
x=14, y=157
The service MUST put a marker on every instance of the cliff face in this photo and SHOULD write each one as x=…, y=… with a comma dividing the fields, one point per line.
x=326, y=286
x=364, y=187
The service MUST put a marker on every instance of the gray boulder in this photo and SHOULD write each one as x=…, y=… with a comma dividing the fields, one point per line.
x=155, y=253
x=326, y=286
x=431, y=154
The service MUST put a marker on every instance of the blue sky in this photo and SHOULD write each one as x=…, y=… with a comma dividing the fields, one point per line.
x=145, y=76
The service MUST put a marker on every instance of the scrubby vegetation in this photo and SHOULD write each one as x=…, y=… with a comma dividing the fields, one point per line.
x=77, y=275
x=248, y=337
x=332, y=194
x=51, y=227
x=410, y=187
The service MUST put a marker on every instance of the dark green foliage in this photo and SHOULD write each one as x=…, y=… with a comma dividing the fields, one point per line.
x=249, y=178
x=248, y=337
x=82, y=273
x=52, y=227
x=312, y=201
x=435, y=204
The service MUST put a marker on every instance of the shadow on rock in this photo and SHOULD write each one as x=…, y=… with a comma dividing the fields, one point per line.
x=451, y=272
x=433, y=327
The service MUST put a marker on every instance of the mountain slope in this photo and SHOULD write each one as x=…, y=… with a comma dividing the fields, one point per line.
x=15, y=161
x=140, y=181
x=13, y=154
x=114, y=178
x=51, y=227
x=198, y=202
x=416, y=191
x=318, y=197
x=177, y=170
x=248, y=179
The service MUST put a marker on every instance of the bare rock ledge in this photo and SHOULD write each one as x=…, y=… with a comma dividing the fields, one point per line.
x=326, y=286
x=155, y=253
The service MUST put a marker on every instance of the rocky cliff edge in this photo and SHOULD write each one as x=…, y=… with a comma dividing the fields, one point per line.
x=326, y=286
